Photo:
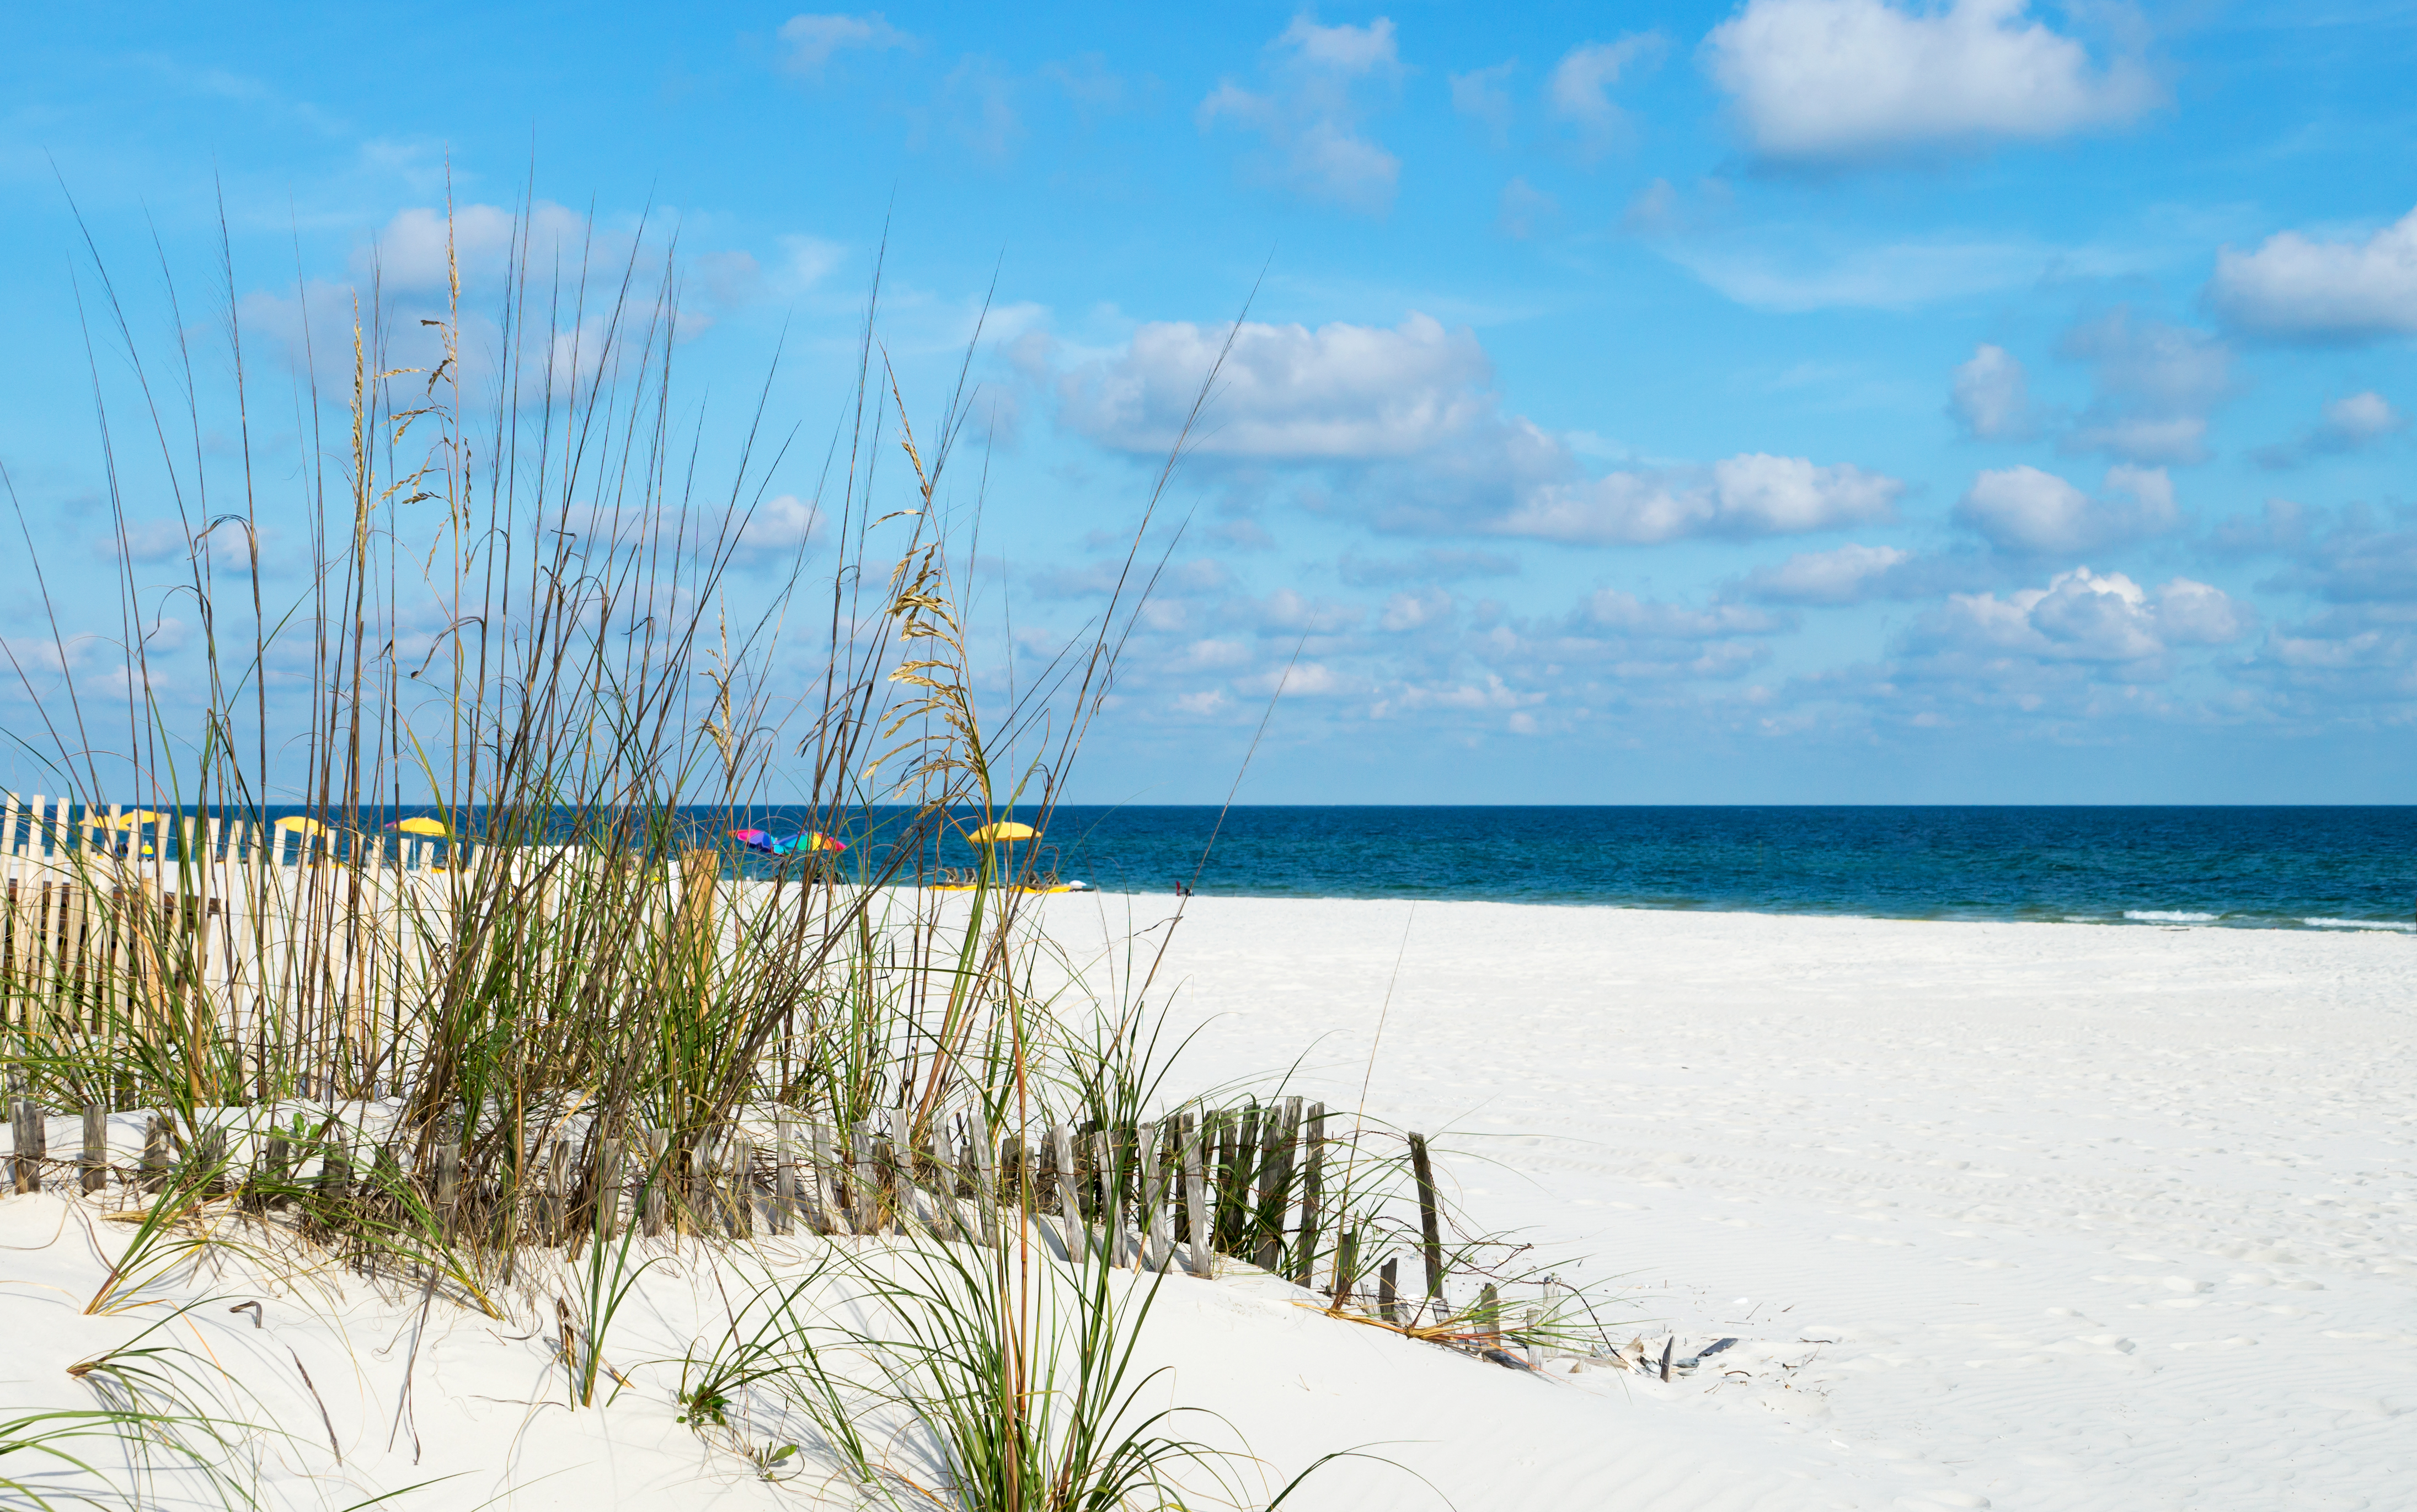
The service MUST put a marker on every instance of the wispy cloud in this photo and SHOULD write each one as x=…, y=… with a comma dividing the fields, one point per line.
x=1311, y=112
x=809, y=42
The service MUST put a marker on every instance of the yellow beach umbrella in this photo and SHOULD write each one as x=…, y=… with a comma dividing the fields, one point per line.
x=421, y=827
x=138, y=817
x=302, y=825
x=993, y=834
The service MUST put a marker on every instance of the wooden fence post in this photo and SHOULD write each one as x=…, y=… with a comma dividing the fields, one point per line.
x=830, y=1209
x=867, y=1185
x=655, y=1205
x=31, y=1144
x=1388, y=1293
x=902, y=1161
x=1275, y=1182
x=987, y=1197
x=154, y=1153
x=703, y=1199
x=1430, y=1231
x=785, y=1175
x=610, y=1163
x=1155, y=1250
x=335, y=1169
x=1069, y=1201
x=1195, y=1200
x=96, y=1147
x=945, y=1177
x=742, y=1201
x=1304, y=1270
x=1112, y=1197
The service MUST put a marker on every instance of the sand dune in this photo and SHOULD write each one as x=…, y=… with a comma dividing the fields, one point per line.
x=2025, y=1216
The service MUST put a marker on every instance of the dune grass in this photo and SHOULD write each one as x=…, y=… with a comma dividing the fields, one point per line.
x=531, y=602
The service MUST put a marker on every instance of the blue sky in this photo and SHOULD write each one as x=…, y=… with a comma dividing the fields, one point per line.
x=1797, y=401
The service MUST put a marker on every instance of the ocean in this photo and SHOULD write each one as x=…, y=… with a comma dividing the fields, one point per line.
x=2288, y=867
x=2303, y=868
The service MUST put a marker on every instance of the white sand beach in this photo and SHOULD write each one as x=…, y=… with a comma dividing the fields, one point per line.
x=2038, y=1216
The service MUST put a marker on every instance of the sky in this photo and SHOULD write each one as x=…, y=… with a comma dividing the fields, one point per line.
x=1793, y=402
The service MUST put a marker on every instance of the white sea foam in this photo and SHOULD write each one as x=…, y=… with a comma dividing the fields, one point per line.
x=2167, y=915
x=2359, y=924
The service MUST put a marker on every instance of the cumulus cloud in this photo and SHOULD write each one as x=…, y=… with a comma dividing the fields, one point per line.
x=2155, y=384
x=1416, y=609
x=1992, y=396
x=1825, y=81
x=146, y=540
x=2024, y=509
x=2299, y=288
x=2351, y=423
x=1311, y=114
x=1846, y=575
x=483, y=241
x=1406, y=421
x=2086, y=616
x=808, y=42
x=1288, y=392
x=783, y=523
x=1746, y=495
x=1579, y=88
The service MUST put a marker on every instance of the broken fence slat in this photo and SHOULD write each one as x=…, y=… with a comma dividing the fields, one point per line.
x=1430, y=1223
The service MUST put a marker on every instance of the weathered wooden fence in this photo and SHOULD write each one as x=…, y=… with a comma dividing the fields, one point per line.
x=116, y=920
x=1193, y=1191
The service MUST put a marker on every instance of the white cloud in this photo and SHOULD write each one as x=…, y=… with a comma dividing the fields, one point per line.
x=2087, y=616
x=2294, y=287
x=1579, y=89
x=146, y=540
x=1286, y=392
x=1992, y=396
x=1405, y=421
x=2155, y=384
x=1790, y=268
x=2025, y=510
x=1839, y=80
x=1609, y=608
x=1483, y=96
x=805, y=261
x=977, y=107
x=784, y=522
x=1750, y=495
x=1435, y=564
x=2363, y=417
x=411, y=251
x=810, y=41
x=1416, y=611
x=2351, y=423
x=1847, y=574
x=1303, y=679
x=1311, y=117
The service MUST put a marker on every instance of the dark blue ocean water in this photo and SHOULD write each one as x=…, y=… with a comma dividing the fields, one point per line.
x=2297, y=868
x=2286, y=867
